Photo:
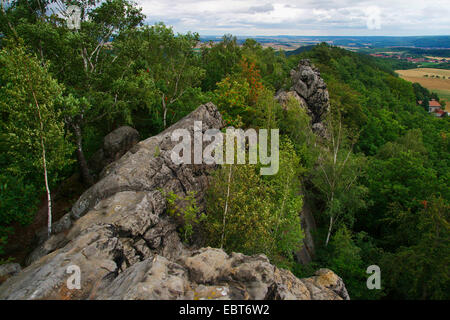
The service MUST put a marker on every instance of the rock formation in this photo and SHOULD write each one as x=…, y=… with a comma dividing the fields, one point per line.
x=310, y=90
x=115, y=145
x=126, y=247
x=8, y=270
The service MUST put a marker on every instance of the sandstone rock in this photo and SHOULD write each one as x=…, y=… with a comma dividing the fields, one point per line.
x=307, y=252
x=326, y=285
x=115, y=145
x=311, y=87
x=283, y=98
x=8, y=270
x=212, y=274
x=311, y=91
x=126, y=247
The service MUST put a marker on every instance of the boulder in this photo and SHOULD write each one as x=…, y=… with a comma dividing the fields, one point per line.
x=115, y=145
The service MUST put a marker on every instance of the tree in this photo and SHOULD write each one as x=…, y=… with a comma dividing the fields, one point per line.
x=31, y=126
x=249, y=214
x=287, y=205
x=172, y=62
x=219, y=60
x=421, y=270
x=337, y=177
x=231, y=99
x=79, y=58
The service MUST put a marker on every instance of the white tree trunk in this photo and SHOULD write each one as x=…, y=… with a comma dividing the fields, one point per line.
x=164, y=111
x=49, y=196
x=226, y=208
x=329, y=231
x=44, y=161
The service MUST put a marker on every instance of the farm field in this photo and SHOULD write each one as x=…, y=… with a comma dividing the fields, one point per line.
x=439, y=85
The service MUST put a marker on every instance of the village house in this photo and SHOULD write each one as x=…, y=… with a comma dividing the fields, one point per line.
x=435, y=108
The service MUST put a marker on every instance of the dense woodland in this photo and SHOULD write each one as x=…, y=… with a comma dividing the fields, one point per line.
x=380, y=186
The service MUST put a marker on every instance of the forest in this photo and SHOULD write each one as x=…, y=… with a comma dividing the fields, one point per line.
x=380, y=189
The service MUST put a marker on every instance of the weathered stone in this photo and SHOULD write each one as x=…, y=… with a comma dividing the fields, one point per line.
x=126, y=247
x=326, y=285
x=283, y=98
x=310, y=90
x=8, y=270
x=311, y=87
x=115, y=145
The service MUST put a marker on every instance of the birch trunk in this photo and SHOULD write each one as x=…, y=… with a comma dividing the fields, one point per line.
x=226, y=208
x=44, y=161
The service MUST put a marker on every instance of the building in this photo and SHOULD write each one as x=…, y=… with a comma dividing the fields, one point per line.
x=435, y=108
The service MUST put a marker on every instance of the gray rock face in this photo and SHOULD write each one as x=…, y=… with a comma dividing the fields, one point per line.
x=126, y=247
x=311, y=87
x=212, y=274
x=115, y=145
x=310, y=90
x=7, y=270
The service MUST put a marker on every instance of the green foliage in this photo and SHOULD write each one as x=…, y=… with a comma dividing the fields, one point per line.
x=231, y=99
x=18, y=201
x=421, y=270
x=337, y=178
x=219, y=60
x=31, y=123
x=380, y=182
x=287, y=205
x=294, y=122
x=186, y=209
x=239, y=198
x=345, y=254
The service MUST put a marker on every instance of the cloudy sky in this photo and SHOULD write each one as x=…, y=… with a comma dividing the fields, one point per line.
x=302, y=17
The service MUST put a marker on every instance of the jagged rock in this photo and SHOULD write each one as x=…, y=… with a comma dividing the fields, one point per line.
x=212, y=274
x=7, y=270
x=126, y=247
x=310, y=90
x=325, y=285
x=115, y=145
x=283, y=98
x=311, y=87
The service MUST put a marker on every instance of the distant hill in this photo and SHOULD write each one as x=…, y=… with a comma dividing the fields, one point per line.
x=299, y=50
x=430, y=42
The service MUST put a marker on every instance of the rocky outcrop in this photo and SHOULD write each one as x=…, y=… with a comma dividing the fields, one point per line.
x=311, y=93
x=309, y=85
x=308, y=251
x=310, y=90
x=125, y=247
x=115, y=145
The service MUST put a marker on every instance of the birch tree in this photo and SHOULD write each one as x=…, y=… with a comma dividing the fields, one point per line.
x=31, y=127
x=172, y=62
x=337, y=177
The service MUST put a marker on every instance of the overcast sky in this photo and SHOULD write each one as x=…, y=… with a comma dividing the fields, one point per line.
x=302, y=17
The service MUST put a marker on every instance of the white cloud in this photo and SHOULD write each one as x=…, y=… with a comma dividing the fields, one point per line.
x=302, y=17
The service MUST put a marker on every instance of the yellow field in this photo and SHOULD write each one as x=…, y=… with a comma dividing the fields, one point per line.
x=439, y=85
x=437, y=58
